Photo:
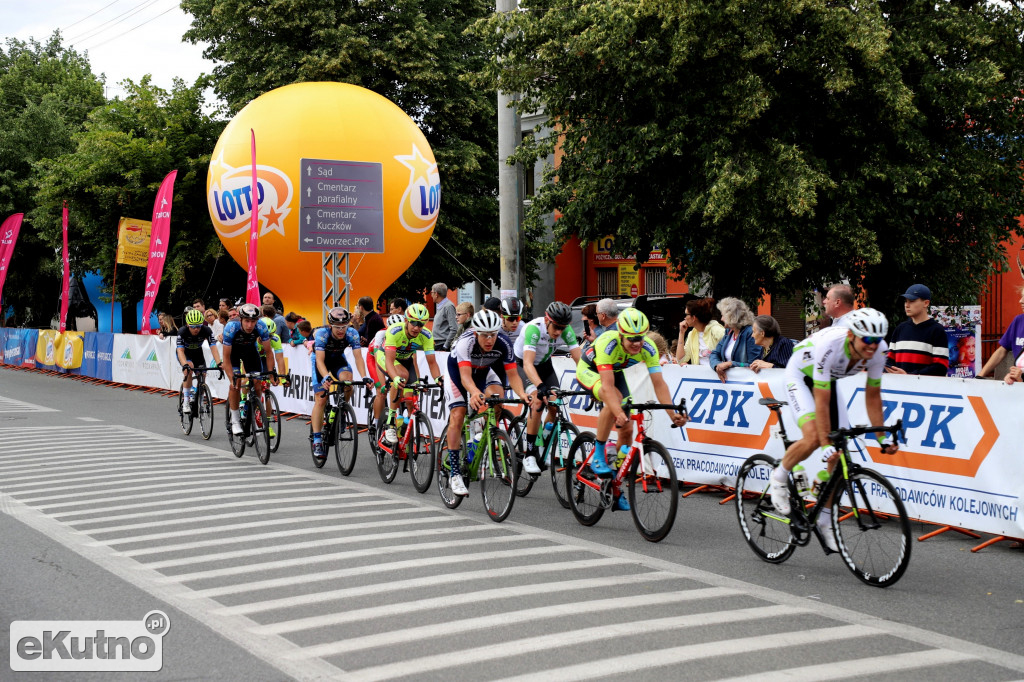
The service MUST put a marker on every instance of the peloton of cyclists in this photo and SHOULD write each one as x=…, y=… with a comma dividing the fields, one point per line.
x=190, y=351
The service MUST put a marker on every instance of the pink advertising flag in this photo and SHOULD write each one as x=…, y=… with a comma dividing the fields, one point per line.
x=158, y=243
x=67, y=273
x=8, y=236
x=252, y=287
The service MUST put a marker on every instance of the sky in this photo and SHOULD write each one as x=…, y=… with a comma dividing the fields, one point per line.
x=123, y=38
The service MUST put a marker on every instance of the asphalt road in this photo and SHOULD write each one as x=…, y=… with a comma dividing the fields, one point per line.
x=241, y=609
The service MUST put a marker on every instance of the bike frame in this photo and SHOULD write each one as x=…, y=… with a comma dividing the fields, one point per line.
x=412, y=405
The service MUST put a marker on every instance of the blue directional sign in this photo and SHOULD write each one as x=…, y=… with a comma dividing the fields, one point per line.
x=341, y=206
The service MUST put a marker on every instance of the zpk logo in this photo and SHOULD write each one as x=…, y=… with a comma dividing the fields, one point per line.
x=726, y=414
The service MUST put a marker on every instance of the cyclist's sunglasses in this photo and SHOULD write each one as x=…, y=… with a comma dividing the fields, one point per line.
x=634, y=339
x=416, y=323
x=558, y=327
x=871, y=340
x=488, y=335
x=514, y=318
x=339, y=326
x=195, y=326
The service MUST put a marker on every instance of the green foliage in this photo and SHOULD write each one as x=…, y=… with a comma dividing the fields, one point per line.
x=774, y=147
x=416, y=53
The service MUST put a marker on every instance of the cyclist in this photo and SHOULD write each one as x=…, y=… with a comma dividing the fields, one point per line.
x=512, y=318
x=855, y=345
x=472, y=377
x=400, y=345
x=190, y=351
x=242, y=339
x=374, y=361
x=600, y=371
x=533, y=350
x=328, y=362
x=280, y=361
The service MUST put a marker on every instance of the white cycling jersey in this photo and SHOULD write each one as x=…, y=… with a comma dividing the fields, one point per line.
x=535, y=337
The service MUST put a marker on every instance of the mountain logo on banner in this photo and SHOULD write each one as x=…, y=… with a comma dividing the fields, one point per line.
x=127, y=354
x=151, y=357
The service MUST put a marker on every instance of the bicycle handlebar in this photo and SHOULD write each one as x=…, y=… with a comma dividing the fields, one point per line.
x=420, y=384
x=843, y=434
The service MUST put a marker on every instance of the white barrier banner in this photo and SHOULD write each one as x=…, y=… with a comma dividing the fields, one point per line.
x=144, y=361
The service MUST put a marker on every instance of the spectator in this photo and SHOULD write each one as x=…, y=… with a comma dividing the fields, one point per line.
x=590, y=325
x=268, y=310
x=167, y=326
x=493, y=304
x=268, y=299
x=445, y=323
x=218, y=328
x=1011, y=342
x=304, y=333
x=672, y=348
x=704, y=333
x=776, y=349
x=209, y=317
x=664, y=357
x=463, y=315
x=607, y=314
x=199, y=305
x=224, y=304
x=737, y=347
x=1014, y=375
x=290, y=320
x=838, y=302
x=398, y=306
x=233, y=313
x=373, y=322
x=919, y=344
x=358, y=320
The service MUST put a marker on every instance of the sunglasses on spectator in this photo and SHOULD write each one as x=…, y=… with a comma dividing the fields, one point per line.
x=418, y=325
x=871, y=340
x=634, y=339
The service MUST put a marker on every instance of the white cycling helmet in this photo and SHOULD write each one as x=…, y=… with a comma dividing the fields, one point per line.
x=486, y=321
x=866, y=322
x=396, y=319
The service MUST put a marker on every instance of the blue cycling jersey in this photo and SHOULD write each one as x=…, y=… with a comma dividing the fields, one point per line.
x=235, y=336
x=334, y=348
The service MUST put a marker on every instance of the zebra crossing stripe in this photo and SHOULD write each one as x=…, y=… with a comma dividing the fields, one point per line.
x=860, y=667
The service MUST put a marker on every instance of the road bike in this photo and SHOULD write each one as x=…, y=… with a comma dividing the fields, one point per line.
x=650, y=478
x=201, y=404
x=253, y=417
x=553, y=448
x=415, y=449
x=339, y=429
x=491, y=459
x=869, y=521
x=273, y=412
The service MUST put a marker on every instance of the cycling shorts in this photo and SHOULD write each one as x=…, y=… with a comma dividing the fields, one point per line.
x=249, y=357
x=408, y=363
x=545, y=370
x=195, y=356
x=334, y=368
x=455, y=393
x=590, y=379
x=800, y=394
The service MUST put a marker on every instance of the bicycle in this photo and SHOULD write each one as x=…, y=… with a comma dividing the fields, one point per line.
x=554, y=445
x=493, y=462
x=273, y=412
x=201, y=403
x=339, y=428
x=417, y=429
x=869, y=520
x=650, y=479
x=253, y=417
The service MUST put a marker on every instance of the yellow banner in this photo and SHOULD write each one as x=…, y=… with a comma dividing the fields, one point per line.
x=629, y=281
x=133, y=242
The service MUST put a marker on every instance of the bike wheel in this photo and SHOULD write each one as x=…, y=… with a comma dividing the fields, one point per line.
x=183, y=416
x=653, y=492
x=450, y=499
x=872, y=528
x=274, y=422
x=205, y=406
x=767, y=532
x=584, y=501
x=387, y=462
x=499, y=481
x=517, y=435
x=346, y=439
x=260, y=435
x=421, y=452
x=237, y=442
x=559, y=452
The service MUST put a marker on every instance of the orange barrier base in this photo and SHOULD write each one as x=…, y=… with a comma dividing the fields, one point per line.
x=998, y=538
x=944, y=529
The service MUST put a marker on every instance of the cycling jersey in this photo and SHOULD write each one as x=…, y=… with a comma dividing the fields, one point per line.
x=515, y=333
x=235, y=336
x=405, y=346
x=608, y=352
x=467, y=352
x=334, y=347
x=535, y=337
x=188, y=341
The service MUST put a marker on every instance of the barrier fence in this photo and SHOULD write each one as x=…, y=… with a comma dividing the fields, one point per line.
x=958, y=466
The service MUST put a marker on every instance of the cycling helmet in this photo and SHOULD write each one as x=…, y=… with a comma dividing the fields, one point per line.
x=486, y=321
x=512, y=307
x=248, y=311
x=417, y=312
x=396, y=319
x=632, y=322
x=271, y=326
x=866, y=322
x=559, y=313
x=338, y=315
x=194, y=318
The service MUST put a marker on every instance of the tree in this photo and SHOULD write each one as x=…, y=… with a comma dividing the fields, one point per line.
x=414, y=52
x=114, y=168
x=46, y=93
x=773, y=147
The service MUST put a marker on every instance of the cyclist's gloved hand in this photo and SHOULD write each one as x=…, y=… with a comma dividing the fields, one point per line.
x=400, y=382
x=439, y=379
x=326, y=383
x=826, y=452
x=367, y=381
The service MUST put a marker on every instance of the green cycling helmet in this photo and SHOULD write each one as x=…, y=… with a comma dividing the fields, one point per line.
x=194, y=318
x=632, y=322
x=417, y=312
x=271, y=327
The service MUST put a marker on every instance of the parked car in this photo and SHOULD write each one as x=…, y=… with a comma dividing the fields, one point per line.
x=665, y=311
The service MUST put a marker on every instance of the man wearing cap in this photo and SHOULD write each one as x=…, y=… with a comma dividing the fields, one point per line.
x=919, y=345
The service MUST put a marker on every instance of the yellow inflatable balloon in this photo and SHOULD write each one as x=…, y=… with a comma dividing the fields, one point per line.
x=339, y=168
